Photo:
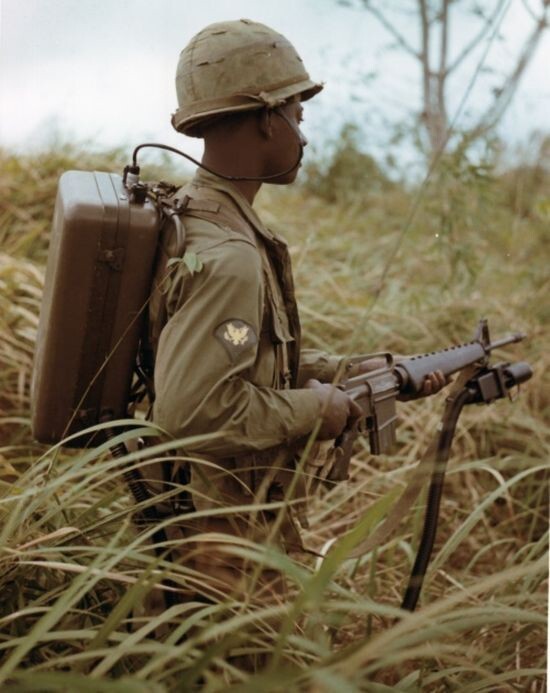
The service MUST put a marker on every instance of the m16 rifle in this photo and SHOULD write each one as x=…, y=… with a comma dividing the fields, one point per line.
x=376, y=391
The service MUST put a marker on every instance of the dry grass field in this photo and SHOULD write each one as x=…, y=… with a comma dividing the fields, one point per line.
x=74, y=570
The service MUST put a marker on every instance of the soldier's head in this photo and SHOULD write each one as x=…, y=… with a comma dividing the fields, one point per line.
x=240, y=86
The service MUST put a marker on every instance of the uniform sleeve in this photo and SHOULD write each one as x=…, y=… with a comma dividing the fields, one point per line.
x=317, y=364
x=205, y=352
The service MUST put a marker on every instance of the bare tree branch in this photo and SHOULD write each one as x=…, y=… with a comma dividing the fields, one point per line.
x=424, y=55
x=390, y=28
x=544, y=3
x=436, y=69
x=504, y=94
x=444, y=21
x=529, y=10
x=429, y=112
x=477, y=38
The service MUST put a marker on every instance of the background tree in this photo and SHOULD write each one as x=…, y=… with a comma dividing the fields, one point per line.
x=435, y=21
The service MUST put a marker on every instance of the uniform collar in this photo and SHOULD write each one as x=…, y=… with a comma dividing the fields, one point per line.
x=205, y=179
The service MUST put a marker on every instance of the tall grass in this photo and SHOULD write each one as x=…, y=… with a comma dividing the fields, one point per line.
x=74, y=570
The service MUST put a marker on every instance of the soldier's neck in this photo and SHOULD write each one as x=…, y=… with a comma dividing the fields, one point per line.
x=247, y=188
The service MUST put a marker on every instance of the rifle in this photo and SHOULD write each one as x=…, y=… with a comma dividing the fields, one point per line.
x=377, y=391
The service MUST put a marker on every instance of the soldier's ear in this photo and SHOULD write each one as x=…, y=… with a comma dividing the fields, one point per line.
x=265, y=123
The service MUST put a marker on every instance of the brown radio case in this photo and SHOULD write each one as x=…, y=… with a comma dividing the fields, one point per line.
x=98, y=278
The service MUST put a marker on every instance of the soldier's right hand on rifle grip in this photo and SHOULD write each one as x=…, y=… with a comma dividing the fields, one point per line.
x=337, y=409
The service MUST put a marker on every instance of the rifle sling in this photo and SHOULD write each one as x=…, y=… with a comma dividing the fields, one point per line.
x=419, y=475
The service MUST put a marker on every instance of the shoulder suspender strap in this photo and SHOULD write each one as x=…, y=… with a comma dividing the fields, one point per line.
x=215, y=206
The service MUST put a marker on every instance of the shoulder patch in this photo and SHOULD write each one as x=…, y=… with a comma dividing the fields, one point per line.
x=236, y=336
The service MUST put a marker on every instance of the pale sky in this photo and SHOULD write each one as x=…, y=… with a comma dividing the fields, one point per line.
x=103, y=70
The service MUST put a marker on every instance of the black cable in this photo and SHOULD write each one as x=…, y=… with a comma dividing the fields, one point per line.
x=168, y=148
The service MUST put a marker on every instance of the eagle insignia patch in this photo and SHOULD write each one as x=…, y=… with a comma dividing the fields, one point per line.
x=236, y=336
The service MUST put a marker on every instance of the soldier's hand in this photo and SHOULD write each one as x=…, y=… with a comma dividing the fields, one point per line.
x=337, y=409
x=433, y=383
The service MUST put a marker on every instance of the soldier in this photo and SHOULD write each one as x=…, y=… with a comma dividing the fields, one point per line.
x=229, y=360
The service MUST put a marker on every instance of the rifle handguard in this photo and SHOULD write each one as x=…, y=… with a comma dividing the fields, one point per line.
x=450, y=360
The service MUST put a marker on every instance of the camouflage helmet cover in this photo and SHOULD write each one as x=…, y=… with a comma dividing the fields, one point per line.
x=236, y=66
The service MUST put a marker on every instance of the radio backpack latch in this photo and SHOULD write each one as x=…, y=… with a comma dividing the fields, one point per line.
x=114, y=257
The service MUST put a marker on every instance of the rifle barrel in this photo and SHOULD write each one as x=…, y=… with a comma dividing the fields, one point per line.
x=510, y=339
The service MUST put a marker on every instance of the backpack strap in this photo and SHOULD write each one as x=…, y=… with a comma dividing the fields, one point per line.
x=171, y=244
x=190, y=201
x=215, y=206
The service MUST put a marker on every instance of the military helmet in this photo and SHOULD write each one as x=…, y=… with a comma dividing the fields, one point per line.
x=236, y=66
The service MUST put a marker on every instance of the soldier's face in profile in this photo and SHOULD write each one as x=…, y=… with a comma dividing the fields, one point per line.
x=285, y=141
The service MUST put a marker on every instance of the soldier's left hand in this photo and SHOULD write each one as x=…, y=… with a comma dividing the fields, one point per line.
x=433, y=383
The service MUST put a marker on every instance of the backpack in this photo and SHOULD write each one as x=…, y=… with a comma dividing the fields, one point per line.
x=93, y=360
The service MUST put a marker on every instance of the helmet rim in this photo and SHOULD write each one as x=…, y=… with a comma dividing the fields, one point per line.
x=188, y=121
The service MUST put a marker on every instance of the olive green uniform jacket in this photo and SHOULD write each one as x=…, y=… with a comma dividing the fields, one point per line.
x=228, y=361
